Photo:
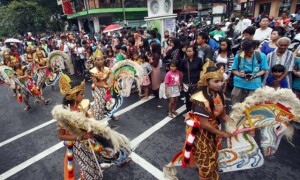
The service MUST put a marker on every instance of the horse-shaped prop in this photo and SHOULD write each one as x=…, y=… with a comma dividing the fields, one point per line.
x=123, y=77
x=266, y=109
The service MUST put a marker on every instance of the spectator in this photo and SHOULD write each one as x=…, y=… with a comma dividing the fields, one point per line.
x=152, y=37
x=277, y=71
x=204, y=51
x=190, y=69
x=248, y=67
x=216, y=34
x=283, y=21
x=268, y=47
x=154, y=61
x=296, y=78
x=284, y=57
x=175, y=53
x=246, y=22
x=224, y=55
x=264, y=32
x=119, y=55
x=249, y=32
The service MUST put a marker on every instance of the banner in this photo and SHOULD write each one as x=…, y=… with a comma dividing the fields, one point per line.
x=67, y=6
x=170, y=25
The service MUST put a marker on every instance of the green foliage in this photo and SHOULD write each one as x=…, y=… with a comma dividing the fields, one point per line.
x=21, y=16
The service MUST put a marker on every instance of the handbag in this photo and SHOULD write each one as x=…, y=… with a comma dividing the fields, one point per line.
x=190, y=88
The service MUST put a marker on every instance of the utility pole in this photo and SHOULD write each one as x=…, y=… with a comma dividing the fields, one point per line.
x=88, y=18
x=124, y=16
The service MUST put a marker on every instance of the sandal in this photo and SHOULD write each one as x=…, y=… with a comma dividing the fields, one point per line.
x=170, y=115
x=175, y=113
x=46, y=102
x=27, y=108
x=115, y=118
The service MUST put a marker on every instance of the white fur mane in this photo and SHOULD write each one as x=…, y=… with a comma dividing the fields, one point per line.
x=73, y=121
x=284, y=96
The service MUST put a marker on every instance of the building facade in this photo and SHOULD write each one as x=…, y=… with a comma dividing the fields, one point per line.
x=271, y=7
x=91, y=14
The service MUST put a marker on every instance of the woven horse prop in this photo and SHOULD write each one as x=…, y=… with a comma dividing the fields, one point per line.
x=266, y=109
x=123, y=76
x=56, y=60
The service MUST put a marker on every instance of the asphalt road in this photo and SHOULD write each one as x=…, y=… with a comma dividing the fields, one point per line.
x=38, y=155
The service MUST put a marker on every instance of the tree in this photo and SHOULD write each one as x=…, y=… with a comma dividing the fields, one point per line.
x=21, y=16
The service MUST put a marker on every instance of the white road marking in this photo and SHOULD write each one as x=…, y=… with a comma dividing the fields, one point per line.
x=128, y=108
x=31, y=161
x=26, y=132
x=135, y=142
x=147, y=166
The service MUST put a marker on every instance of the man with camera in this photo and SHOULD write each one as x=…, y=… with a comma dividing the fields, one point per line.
x=248, y=68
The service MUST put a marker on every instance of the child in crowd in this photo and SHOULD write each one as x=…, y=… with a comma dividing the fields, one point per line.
x=124, y=52
x=277, y=71
x=119, y=54
x=146, y=80
x=221, y=67
x=172, y=88
x=136, y=57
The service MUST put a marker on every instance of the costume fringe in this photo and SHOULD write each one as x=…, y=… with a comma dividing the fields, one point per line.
x=77, y=124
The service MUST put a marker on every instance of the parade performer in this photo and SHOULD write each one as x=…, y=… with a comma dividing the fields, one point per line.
x=90, y=142
x=100, y=75
x=41, y=66
x=110, y=86
x=29, y=57
x=10, y=61
x=201, y=146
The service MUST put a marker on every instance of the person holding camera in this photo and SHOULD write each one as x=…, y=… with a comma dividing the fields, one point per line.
x=248, y=68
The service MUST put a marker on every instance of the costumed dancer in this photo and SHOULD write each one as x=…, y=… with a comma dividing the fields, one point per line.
x=29, y=57
x=41, y=66
x=74, y=94
x=100, y=75
x=201, y=146
x=90, y=142
x=10, y=61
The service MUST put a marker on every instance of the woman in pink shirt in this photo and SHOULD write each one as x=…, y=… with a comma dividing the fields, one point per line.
x=172, y=88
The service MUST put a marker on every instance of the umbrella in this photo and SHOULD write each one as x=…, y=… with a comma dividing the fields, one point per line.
x=113, y=27
x=12, y=40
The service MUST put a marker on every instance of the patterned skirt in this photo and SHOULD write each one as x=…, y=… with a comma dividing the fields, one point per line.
x=41, y=77
x=206, y=155
x=99, y=106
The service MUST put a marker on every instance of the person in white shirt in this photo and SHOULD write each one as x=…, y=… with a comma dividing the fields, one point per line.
x=246, y=22
x=264, y=32
x=64, y=48
x=79, y=60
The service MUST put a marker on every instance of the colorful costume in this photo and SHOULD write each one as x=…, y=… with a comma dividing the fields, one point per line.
x=41, y=73
x=201, y=146
x=102, y=76
x=105, y=145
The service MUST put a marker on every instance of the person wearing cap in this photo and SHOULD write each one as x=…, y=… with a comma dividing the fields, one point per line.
x=218, y=31
x=264, y=32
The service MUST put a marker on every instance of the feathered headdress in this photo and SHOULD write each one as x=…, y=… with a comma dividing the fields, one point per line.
x=204, y=75
x=65, y=87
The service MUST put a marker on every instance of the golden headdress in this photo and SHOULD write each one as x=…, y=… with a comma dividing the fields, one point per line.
x=65, y=87
x=204, y=75
x=97, y=54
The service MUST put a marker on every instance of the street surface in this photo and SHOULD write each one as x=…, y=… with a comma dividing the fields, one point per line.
x=30, y=149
